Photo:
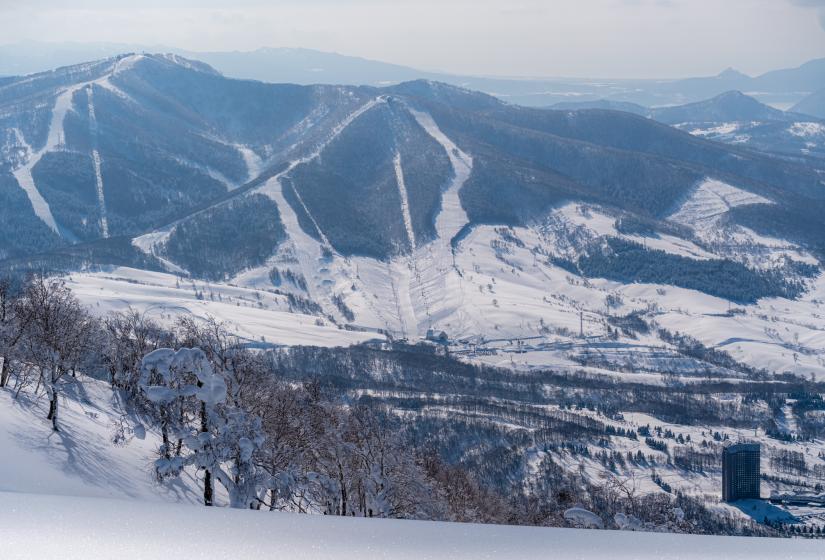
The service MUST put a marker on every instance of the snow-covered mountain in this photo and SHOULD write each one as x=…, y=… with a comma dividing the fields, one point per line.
x=415, y=207
x=738, y=119
x=729, y=106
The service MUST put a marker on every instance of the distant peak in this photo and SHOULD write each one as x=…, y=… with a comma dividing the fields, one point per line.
x=730, y=73
x=128, y=61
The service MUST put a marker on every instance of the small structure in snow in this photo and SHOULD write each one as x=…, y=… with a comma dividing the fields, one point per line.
x=439, y=337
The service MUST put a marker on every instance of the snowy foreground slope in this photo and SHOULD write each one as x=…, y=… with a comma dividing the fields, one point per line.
x=76, y=494
x=83, y=458
x=80, y=494
x=91, y=528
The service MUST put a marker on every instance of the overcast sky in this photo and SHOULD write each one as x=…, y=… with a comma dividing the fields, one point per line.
x=595, y=38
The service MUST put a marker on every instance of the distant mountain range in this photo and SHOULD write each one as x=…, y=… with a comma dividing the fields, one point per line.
x=732, y=118
x=782, y=88
x=728, y=106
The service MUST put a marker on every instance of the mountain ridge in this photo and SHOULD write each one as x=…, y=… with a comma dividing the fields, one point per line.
x=307, y=66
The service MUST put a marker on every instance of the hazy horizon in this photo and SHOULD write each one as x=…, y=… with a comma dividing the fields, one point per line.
x=528, y=38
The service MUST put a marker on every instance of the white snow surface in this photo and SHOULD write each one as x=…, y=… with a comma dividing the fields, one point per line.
x=81, y=459
x=711, y=199
x=253, y=315
x=151, y=242
x=720, y=129
x=94, y=528
x=405, y=203
x=253, y=161
x=452, y=216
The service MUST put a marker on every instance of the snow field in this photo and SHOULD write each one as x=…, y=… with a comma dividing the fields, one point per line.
x=255, y=316
x=90, y=529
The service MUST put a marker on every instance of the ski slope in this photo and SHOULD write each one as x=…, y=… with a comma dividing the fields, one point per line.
x=301, y=247
x=254, y=163
x=452, y=216
x=405, y=202
x=150, y=242
x=709, y=201
x=54, y=140
x=101, y=199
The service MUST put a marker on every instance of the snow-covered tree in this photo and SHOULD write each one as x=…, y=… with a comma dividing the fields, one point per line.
x=219, y=438
x=58, y=332
x=11, y=329
x=130, y=335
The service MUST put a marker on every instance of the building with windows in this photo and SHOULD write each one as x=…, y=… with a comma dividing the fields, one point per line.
x=740, y=472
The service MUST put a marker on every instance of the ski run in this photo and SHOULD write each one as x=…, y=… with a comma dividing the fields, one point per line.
x=101, y=200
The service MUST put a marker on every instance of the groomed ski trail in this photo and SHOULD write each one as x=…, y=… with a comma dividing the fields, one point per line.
x=452, y=217
x=308, y=251
x=405, y=201
x=101, y=200
x=54, y=140
x=437, y=281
